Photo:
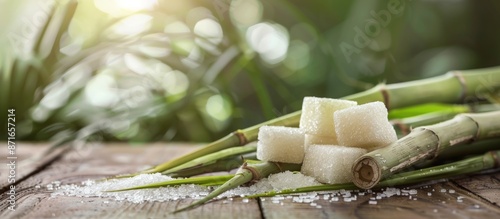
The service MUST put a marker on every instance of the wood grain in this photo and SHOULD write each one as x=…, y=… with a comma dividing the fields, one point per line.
x=438, y=205
x=100, y=161
x=485, y=186
x=469, y=197
x=28, y=160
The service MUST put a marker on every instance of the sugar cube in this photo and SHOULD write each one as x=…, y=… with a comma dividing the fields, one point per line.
x=316, y=139
x=330, y=163
x=280, y=144
x=317, y=114
x=364, y=126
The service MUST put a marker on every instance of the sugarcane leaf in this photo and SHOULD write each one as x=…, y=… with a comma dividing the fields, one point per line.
x=202, y=180
x=426, y=108
x=261, y=90
x=242, y=177
x=210, y=158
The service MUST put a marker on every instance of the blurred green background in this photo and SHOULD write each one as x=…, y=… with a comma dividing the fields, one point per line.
x=194, y=70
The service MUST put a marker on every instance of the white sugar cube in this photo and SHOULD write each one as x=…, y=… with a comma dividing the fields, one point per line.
x=330, y=163
x=316, y=139
x=280, y=144
x=364, y=126
x=317, y=114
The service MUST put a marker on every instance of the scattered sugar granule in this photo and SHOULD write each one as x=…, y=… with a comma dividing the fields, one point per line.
x=90, y=188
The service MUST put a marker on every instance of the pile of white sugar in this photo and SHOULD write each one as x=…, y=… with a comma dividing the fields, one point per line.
x=90, y=188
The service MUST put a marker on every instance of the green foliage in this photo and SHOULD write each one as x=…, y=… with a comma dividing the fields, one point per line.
x=193, y=70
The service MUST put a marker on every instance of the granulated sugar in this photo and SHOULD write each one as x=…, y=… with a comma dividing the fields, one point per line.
x=90, y=188
x=276, y=182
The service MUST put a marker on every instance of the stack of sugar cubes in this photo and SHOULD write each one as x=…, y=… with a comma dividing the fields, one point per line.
x=332, y=134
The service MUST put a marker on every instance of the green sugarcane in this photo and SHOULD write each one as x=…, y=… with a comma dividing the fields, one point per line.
x=475, y=164
x=453, y=87
x=210, y=158
x=423, y=143
x=245, y=174
x=403, y=126
x=213, y=163
x=202, y=180
x=225, y=164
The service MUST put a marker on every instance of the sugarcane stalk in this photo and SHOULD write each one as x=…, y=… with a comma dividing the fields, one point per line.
x=245, y=174
x=423, y=143
x=226, y=164
x=455, y=86
x=210, y=158
x=403, y=126
x=474, y=164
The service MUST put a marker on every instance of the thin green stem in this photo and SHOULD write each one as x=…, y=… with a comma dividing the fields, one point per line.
x=210, y=158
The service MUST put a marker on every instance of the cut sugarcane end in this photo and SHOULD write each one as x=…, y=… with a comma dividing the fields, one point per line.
x=366, y=173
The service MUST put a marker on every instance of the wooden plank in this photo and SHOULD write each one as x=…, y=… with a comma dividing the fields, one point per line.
x=485, y=186
x=25, y=164
x=438, y=205
x=100, y=161
x=477, y=194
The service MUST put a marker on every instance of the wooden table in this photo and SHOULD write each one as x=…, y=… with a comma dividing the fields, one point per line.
x=481, y=193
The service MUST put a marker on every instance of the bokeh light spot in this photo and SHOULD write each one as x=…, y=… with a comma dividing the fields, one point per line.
x=101, y=91
x=218, y=107
x=209, y=29
x=130, y=26
x=298, y=55
x=269, y=40
x=175, y=82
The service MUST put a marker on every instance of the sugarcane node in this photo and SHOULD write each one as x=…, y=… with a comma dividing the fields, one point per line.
x=255, y=174
x=366, y=173
x=241, y=137
x=385, y=95
x=463, y=84
x=438, y=140
x=478, y=128
x=496, y=158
